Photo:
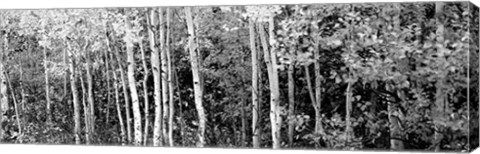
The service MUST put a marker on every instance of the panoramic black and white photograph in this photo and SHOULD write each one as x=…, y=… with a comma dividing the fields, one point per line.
x=347, y=76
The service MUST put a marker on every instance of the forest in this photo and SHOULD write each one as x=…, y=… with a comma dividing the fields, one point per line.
x=360, y=76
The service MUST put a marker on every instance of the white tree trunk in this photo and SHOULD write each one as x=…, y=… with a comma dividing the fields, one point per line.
x=255, y=90
x=164, y=77
x=133, y=87
x=155, y=62
x=270, y=60
x=119, y=110
x=3, y=88
x=318, y=91
x=90, y=99
x=127, y=100
x=76, y=106
x=197, y=88
x=86, y=110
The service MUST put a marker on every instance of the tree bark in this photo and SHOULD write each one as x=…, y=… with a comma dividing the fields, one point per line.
x=164, y=77
x=90, y=99
x=170, y=81
x=348, y=109
x=3, y=87
x=86, y=111
x=155, y=62
x=318, y=91
x=133, y=87
x=76, y=106
x=270, y=60
x=119, y=110
x=198, y=91
x=255, y=99
x=65, y=78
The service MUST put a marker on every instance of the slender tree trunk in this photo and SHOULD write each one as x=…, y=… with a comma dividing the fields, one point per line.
x=155, y=62
x=318, y=91
x=235, y=138
x=348, y=109
x=255, y=90
x=309, y=86
x=170, y=81
x=315, y=104
x=440, y=94
x=276, y=87
x=133, y=87
x=164, y=67
x=65, y=77
x=291, y=102
x=15, y=103
x=127, y=98
x=348, y=95
x=107, y=74
x=270, y=60
x=47, y=86
x=3, y=87
x=145, y=94
x=198, y=91
x=86, y=111
x=76, y=106
x=90, y=99
x=119, y=110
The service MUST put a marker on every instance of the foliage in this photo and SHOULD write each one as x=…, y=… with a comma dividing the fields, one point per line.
x=389, y=53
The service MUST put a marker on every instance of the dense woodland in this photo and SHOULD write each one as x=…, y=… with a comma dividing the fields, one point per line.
x=384, y=76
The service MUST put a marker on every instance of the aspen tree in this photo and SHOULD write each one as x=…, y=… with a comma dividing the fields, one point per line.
x=255, y=90
x=164, y=77
x=132, y=84
x=73, y=85
x=270, y=60
x=155, y=62
x=197, y=88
